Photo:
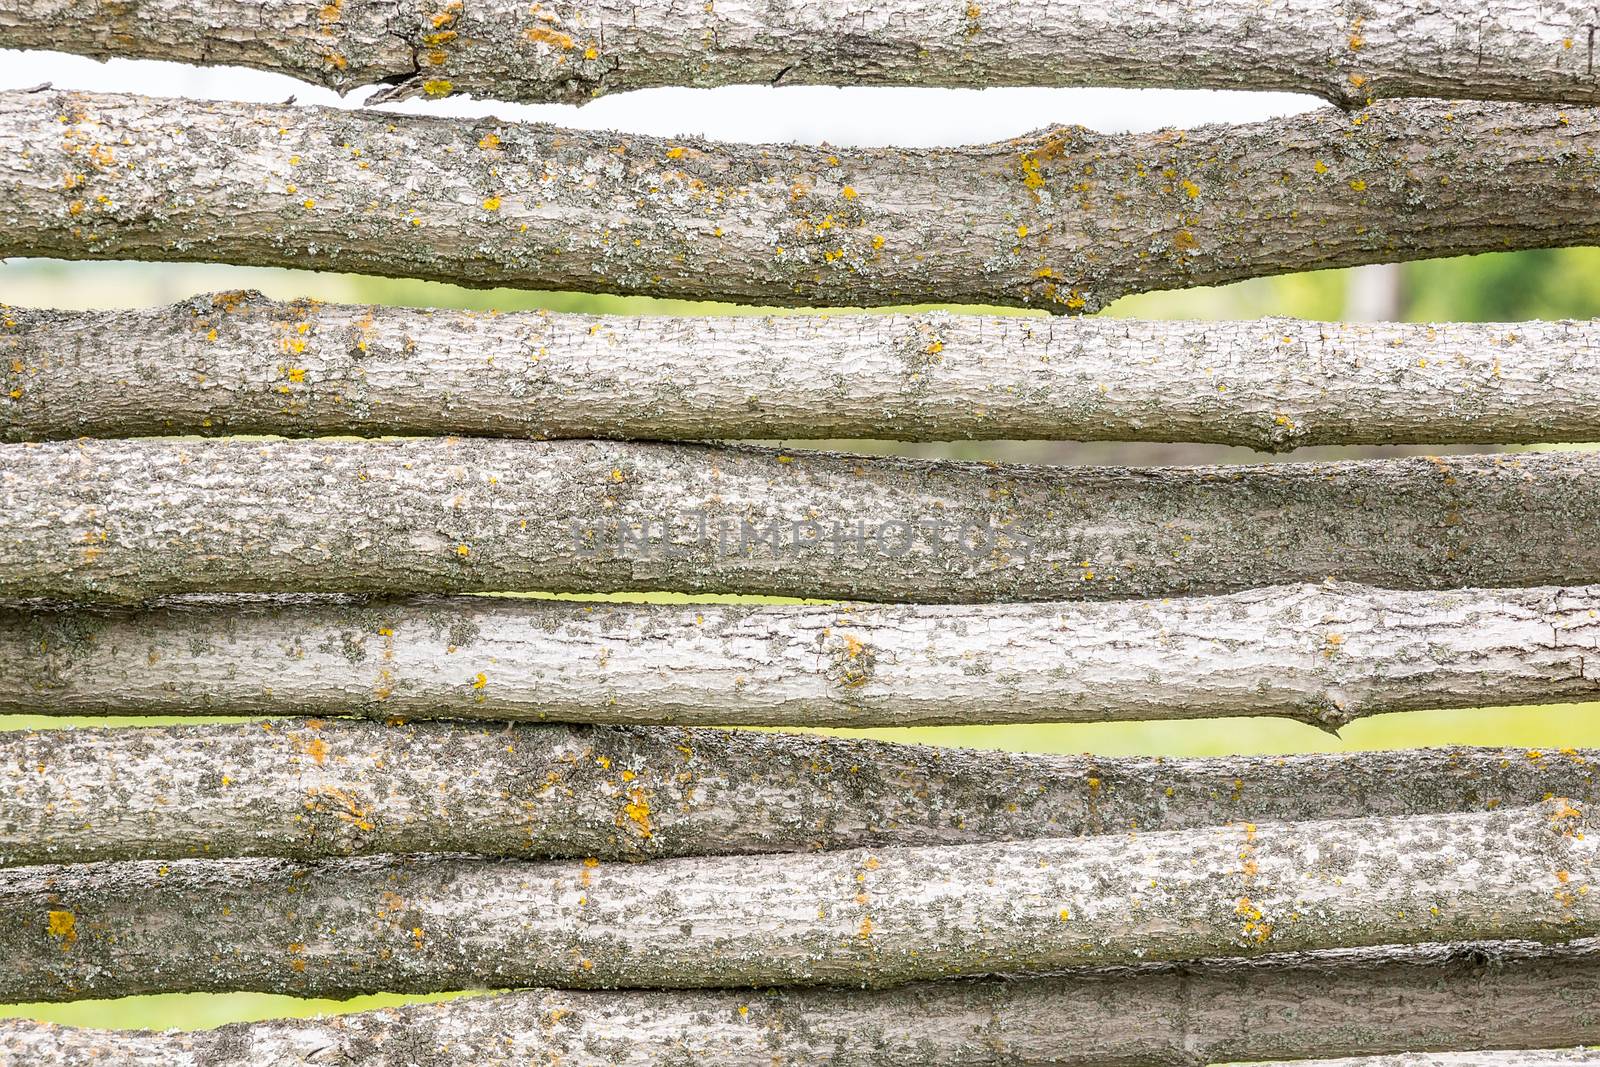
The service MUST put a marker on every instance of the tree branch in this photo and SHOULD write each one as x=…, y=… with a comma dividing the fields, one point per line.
x=239, y=363
x=1505, y=49
x=1335, y=1003
x=878, y=917
x=126, y=520
x=1063, y=219
x=1324, y=654
x=1547, y=1058
x=310, y=789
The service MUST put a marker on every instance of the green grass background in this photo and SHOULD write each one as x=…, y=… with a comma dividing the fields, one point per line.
x=1508, y=287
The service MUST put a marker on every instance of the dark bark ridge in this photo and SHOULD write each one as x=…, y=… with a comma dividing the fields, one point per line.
x=128, y=520
x=309, y=790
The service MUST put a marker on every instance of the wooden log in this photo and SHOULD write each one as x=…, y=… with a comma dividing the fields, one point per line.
x=1324, y=654
x=239, y=363
x=860, y=917
x=310, y=789
x=1481, y=996
x=1505, y=49
x=1545, y=1058
x=1062, y=219
x=129, y=520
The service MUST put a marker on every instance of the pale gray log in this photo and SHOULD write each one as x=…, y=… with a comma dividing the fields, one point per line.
x=1547, y=1058
x=239, y=363
x=860, y=917
x=1325, y=654
x=1063, y=219
x=132, y=519
x=1509, y=49
x=1481, y=996
x=310, y=789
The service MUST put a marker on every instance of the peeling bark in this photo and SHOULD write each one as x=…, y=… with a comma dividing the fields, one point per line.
x=568, y=52
x=1323, y=654
x=127, y=520
x=239, y=363
x=309, y=789
x=1336, y=1003
x=1063, y=219
x=859, y=917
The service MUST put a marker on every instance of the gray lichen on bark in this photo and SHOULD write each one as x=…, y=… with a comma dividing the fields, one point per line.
x=858, y=917
x=571, y=52
x=1325, y=654
x=1063, y=219
x=132, y=519
x=1478, y=996
x=309, y=789
x=239, y=363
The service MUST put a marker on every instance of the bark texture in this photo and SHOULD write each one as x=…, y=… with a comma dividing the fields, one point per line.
x=1063, y=219
x=1547, y=1058
x=309, y=789
x=239, y=363
x=1324, y=654
x=569, y=52
x=1483, y=996
x=858, y=917
x=127, y=520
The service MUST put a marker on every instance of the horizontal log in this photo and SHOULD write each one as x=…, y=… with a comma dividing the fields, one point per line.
x=1546, y=1058
x=858, y=917
x=1472, y=996
x=1504, y=49
x=310, y=789
x=1324, y=654
x=1063, y=219
x=239, y=363
x=133, y=519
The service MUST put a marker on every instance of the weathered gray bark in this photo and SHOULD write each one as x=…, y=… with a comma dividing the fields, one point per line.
x=306, y=790
x=1063, y=219
x=868, y=917
x=1335, y=1003
x=241, y=363
x=120, y=520
x=1324, y=654
x=1508, y=49
x=1547, y=1058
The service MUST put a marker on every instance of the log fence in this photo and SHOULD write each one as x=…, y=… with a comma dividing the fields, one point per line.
x=311, y=515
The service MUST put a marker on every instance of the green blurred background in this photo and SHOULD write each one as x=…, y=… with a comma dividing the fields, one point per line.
x=1508, y=287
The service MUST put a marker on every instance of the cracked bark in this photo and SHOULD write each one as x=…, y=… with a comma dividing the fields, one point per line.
x=568, y=52
x=133, y=519
x=1323, y=654
x=1484, y=996
x=1063, y=219
x=859, y=917
x=309, y=789
x=239, y=363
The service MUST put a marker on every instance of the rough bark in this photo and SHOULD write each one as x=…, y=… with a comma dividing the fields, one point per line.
x=1324, y=654
x=125, y=520
x=1547, y=1058
x=1473, y=996
x=1063, y=219
x=1349, y=53
x=309, y=789
x=859, y=917
x=239, y=363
